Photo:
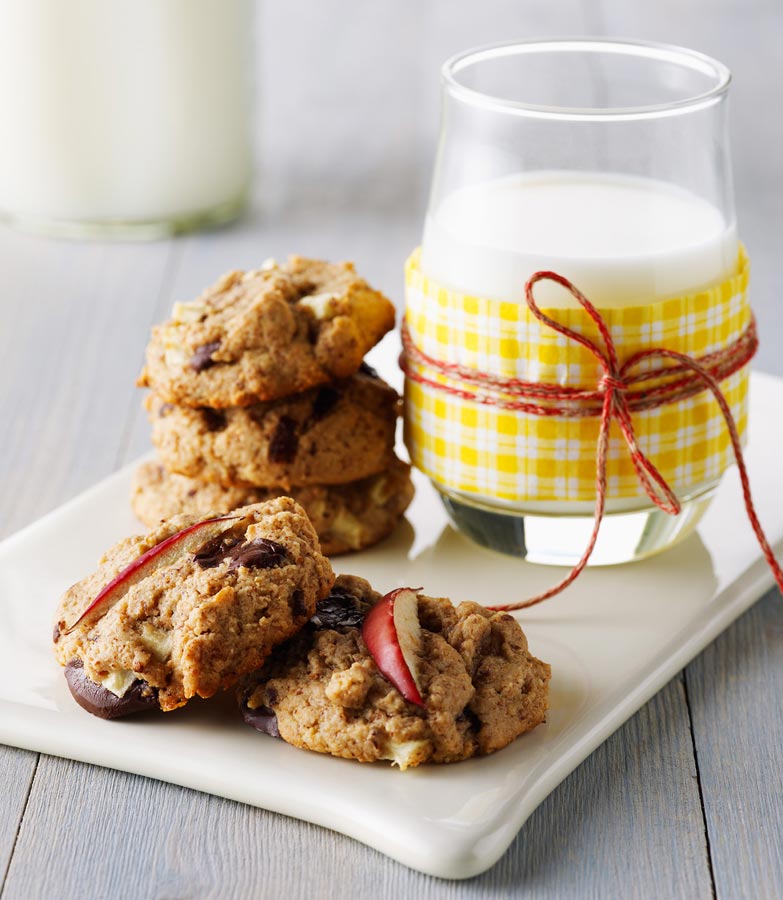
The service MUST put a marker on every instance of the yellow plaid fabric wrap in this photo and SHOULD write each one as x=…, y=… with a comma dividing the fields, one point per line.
x=516, y=456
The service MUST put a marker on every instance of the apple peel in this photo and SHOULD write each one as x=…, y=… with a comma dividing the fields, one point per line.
x=168, y=551
x=392, y=633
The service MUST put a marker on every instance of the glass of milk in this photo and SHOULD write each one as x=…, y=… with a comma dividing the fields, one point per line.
x=125, y=117
x=607, y=162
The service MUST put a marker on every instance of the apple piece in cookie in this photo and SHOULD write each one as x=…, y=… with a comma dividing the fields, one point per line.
x=392, y=634
x=188, y=540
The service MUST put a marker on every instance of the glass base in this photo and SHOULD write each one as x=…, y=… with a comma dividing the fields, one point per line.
x=122, y=229
x=561, y=539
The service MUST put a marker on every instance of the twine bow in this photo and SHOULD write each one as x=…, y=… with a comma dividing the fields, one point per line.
x=622, y=389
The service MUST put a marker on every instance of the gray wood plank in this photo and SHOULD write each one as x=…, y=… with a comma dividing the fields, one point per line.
x=599, y=835
x=18, y=769
x=734, y=689
x=615, y=826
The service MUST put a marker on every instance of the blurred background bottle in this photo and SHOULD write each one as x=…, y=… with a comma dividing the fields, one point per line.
x=129, y=117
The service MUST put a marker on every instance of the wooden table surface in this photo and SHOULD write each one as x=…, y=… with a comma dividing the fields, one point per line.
x=686, y=799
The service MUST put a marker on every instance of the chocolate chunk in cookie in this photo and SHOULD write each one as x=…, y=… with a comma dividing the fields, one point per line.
x=202, y=358
x=101, y=702
x=340, y=609
x=284, y=442
x=263, y=719
x=256, y=554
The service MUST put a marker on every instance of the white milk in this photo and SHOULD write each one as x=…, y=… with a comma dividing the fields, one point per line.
x=620, y=240
x=122, y=109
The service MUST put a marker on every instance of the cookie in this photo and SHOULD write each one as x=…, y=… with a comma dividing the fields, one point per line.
x=346, y=517
x=323, y=691
x=263, y=334
x=332, y=434
x=188, y=608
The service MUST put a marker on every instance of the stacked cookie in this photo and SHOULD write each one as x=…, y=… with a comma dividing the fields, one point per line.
x=259, y=390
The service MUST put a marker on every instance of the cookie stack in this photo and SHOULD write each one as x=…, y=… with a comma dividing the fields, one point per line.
x=259, y=390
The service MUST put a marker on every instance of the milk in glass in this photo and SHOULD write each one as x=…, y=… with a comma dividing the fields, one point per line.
x=621, y=240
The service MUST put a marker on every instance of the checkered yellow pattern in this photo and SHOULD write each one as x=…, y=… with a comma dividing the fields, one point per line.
x=517, y=456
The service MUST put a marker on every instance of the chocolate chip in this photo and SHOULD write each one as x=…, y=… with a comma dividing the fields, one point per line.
x=262, y=718
x=215, y=551
x=56, y=633
x=304, y=288
x=271, y=696
x=368, y=370
x=284, y=443
x=164, y=409
x=467, y=715
x=298, y=607
x=338, y=610
x=260, y=553
x=257, y=413
x=202, y=358
x=93, y=697
x=325, y=401
x=214, y=419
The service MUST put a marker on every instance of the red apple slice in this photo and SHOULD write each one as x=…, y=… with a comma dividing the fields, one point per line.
x=392, y=634
x=168, y=551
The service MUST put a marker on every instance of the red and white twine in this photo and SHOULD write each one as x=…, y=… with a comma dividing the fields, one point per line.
x=621, y=391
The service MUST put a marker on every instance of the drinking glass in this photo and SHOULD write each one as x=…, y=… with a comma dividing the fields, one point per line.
x=608, y=163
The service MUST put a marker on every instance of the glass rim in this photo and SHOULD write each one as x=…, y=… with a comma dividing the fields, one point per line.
x=683, y=56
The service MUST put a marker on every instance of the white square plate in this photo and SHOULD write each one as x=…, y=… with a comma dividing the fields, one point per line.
x=613, y=639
